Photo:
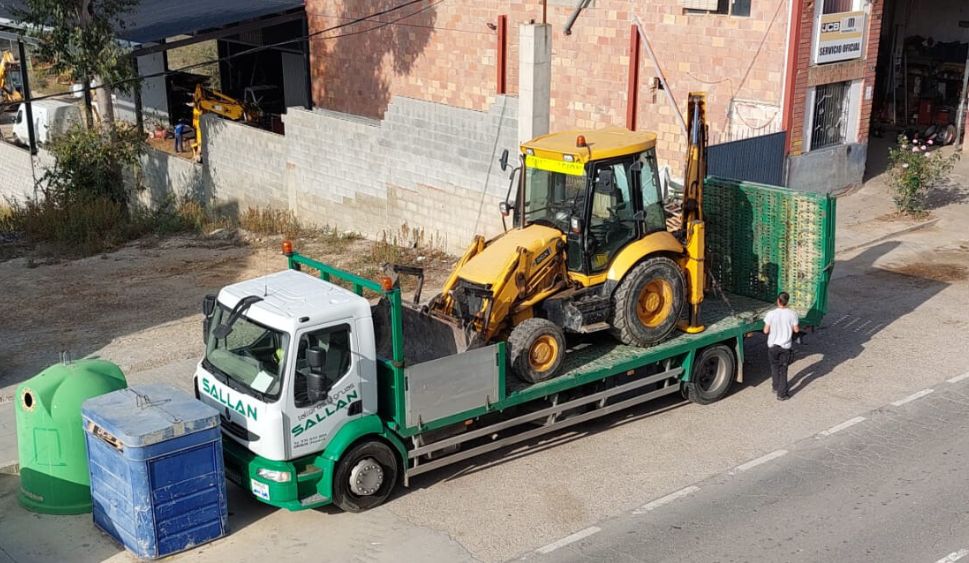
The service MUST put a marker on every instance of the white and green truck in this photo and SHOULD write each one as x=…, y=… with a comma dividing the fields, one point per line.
x=328, y=397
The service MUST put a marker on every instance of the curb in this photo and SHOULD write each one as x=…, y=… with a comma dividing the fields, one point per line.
x=883, y=238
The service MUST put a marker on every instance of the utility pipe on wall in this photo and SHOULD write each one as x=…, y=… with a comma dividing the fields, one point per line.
x=793, y=45
x=502, y=53
x=632, y=91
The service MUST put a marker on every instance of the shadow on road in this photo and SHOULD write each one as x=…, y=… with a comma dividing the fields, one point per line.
x=844, y=336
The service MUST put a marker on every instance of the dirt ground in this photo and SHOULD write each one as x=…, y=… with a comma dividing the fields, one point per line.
x=140, y=305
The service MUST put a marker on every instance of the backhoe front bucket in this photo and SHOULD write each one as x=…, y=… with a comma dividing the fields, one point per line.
x=426, y=337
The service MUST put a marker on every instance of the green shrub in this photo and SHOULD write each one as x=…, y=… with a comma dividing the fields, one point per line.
x=914, y=172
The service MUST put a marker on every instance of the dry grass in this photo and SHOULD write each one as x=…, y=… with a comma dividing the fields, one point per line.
x=269, y=221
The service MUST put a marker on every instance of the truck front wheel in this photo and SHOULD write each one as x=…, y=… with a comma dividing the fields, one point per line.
x=365, y=476
x=713, y=373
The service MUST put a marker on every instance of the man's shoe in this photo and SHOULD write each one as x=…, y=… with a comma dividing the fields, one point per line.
x=783, y=397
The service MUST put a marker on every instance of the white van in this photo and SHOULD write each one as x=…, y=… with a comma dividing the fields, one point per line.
x=51, y=118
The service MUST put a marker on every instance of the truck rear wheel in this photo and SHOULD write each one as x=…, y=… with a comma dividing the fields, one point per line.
x=365, y=476
x=713, y=373
x=537, y=347
x=648, y=302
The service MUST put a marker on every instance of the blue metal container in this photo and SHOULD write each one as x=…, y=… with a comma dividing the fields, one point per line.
x=157, y=476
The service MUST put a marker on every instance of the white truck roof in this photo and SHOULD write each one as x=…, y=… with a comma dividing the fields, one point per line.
x=292, y=298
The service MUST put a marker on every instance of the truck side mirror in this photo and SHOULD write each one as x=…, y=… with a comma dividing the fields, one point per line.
x=503, y=161
x=504, y=209
x=208, y=305
x=315, y=380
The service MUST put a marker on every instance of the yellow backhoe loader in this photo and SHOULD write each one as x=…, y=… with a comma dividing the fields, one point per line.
x=589, y=251
x=11, y=82
x=213, y=101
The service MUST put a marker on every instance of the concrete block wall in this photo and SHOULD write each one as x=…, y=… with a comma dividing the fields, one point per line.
x=16, y=174
x=431, y=167
x=16, y=179
x=244, y=164
x=169, y=178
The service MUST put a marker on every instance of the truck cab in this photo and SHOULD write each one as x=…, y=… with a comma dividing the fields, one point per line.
x=289, y=361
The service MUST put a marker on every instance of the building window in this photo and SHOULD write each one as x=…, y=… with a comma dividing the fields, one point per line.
x=740, y=8
x=830, y=122
x=837, y=6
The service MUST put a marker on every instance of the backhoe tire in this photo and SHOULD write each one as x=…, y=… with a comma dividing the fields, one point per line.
x=537, y=347
x=648, y=302
x=714, y=371
x=365, y=476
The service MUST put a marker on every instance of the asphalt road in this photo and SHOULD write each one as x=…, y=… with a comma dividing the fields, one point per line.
x=890, y=487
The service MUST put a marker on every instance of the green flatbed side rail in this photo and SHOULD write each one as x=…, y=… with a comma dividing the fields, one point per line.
x=359, y=284
x=762, y=240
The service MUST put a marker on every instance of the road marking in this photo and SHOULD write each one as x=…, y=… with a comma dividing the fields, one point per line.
x=842, y=426
x=958, y=378
x=954, y=556
x=653, y=505
x=761, y=460
x=912, y=397
x=568, y=539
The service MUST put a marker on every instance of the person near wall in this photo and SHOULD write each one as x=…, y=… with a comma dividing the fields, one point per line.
x=780, y=326
x=181, y=129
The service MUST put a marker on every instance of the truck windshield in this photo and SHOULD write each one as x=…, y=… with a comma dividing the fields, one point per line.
x=251, y=357
x=553, y=197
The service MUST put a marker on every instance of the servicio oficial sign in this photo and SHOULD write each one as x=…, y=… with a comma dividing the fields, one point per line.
x=840, y=37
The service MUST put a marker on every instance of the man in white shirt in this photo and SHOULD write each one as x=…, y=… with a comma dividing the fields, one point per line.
x=780, y=326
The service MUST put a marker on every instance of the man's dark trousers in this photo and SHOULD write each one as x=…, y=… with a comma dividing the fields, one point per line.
x=779, y=358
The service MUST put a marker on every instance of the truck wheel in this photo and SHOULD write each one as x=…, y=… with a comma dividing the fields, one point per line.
x=365, y=477
x=713, y=373
x=648, y=302
x=536, y=346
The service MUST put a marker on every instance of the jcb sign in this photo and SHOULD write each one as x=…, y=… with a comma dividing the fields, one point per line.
x=840, y=37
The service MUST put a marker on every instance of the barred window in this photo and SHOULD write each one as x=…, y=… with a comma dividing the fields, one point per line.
x=829, y=124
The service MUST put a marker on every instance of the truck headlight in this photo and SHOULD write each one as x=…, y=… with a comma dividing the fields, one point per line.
x=275, y=475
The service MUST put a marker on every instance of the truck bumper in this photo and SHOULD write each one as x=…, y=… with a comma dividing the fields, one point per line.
x=299, y=492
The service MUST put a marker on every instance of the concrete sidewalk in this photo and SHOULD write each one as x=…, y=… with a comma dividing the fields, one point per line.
x=867, y=215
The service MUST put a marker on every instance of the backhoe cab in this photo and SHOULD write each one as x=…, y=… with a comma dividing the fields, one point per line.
x=589, y=250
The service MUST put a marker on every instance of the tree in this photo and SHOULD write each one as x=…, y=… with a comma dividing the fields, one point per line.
x=79, y=38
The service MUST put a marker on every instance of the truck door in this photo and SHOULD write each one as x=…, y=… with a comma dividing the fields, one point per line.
x=317, y=412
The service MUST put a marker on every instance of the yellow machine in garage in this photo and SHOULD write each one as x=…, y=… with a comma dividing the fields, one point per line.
x=11, y=83
x=590, y=250
x=213, y=101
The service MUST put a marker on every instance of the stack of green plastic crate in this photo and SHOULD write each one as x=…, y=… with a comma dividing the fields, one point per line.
x=762, y=240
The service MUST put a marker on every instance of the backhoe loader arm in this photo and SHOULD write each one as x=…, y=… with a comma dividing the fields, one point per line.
x=211, y=101
x=694, y=233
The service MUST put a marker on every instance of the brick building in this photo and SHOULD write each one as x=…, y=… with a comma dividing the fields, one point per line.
x=762, y=74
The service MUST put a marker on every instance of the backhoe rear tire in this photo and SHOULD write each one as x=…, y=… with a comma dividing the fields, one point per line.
x=537, y=347
x=648, y=302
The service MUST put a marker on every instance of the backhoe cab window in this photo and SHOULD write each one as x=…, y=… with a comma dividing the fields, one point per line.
x=251, y=355
x=652, y=194
x=612, y=223
x=335, y=342
x=552, y=197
